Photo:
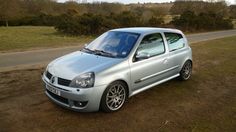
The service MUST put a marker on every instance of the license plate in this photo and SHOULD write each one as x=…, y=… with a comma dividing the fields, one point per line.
x=53, y=90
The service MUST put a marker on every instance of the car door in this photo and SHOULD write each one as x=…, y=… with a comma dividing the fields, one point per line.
x=177, y=51
x=149, y=70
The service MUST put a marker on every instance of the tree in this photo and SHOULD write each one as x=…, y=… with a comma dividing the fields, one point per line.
x=232, y=11
x=199, y=7
x=9, y=9
x=156, y=22
x=128, y=19
x=37, y=7
x=189, y=21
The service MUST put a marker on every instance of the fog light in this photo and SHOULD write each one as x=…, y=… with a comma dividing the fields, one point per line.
x=80, y=103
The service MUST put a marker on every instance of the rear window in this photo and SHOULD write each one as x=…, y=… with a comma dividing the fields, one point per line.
x=175, y=41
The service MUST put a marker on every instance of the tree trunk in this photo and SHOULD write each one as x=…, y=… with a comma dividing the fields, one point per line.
x=6, y=23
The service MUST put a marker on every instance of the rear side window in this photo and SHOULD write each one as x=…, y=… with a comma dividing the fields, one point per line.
x=175, y=41
x=152, y=44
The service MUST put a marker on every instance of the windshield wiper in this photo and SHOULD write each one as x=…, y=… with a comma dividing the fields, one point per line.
x=87, y=49
x=98, y=52
x=101, y=52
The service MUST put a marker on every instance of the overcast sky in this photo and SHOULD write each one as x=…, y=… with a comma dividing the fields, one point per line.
x=141, y=1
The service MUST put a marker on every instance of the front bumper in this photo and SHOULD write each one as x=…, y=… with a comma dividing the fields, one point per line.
x=82, y=100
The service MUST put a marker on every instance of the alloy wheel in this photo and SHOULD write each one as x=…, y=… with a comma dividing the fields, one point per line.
x=187, y=70
x=115, y=97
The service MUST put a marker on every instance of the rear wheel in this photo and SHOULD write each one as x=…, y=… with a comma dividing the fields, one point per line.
x=114, y=97
x=186, y=71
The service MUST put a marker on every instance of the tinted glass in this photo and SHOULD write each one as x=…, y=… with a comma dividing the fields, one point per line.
x=118, y=44
x=152, y=44
x=175, y=41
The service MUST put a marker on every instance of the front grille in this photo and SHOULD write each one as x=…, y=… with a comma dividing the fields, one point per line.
x=48, y=75
x=58, y=98
x=61, y=81
x=64, y=82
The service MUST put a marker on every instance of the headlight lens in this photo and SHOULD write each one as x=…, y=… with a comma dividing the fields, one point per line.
x=85, y=80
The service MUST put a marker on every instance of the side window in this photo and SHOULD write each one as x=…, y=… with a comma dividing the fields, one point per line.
x=175, y=41
x=152, y=45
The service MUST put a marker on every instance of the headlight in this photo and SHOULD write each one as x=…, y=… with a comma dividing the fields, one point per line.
x=85, y=80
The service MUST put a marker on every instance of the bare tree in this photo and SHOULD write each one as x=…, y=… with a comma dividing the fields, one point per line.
x=9, y=9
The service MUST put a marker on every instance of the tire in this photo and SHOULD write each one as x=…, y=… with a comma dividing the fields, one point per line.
x=186, y=71
x=114, y=97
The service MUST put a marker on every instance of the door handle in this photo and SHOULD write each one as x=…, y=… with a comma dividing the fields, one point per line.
x=165, y=60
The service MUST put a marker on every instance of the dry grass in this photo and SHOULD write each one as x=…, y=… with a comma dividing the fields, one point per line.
x=206, y=102
x=32, y=37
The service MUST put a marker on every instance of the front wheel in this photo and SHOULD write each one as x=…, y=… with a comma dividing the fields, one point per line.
x=113, y=97
x=186, y=71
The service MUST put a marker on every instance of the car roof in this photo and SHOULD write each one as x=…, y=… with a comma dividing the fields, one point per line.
x=146, y=30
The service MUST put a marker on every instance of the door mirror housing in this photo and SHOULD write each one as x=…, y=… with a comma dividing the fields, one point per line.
x=142, y=55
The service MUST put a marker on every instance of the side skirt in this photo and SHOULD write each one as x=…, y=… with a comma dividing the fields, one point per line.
x=152, y=85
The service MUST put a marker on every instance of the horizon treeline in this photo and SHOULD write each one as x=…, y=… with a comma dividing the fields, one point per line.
x=93, y=18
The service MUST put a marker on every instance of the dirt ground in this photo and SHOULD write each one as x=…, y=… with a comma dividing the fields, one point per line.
x=207, y=102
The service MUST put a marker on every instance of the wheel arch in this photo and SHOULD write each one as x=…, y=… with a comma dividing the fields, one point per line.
x=127, y=86
x=118, y=80
x=128, y=90
x=187, y=59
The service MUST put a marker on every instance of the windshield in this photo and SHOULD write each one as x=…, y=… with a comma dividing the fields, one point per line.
x=113, y=44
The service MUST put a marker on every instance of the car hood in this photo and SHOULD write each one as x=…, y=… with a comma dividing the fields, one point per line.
x=76, y=63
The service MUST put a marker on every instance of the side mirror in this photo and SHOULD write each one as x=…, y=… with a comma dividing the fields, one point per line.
x=142, y=55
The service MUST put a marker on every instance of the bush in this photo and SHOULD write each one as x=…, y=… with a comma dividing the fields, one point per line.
x=40, y=20
x=155, y=22
x=68, y=24
x=86, y=24
x=128, y=19
x=93, y=24
x=189, y=21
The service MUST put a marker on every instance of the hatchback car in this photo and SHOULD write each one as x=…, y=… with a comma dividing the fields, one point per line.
x=117, y=65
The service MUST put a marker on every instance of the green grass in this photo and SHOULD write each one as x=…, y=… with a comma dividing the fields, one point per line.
x=28, y=37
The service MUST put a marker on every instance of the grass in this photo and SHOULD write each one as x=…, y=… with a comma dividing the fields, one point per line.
x=215, y=76
x=204, y=103
x=23, y=38
x=31, y=37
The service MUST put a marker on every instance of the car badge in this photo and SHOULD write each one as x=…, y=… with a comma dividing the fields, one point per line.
x=52, y=80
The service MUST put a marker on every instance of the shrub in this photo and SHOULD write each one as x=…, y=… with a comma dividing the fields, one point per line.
x=128, y=19
x=189, y=21
x=40, y=20
x=155, y=22
x=92, y=24
x=86, y=24
x=68, y=24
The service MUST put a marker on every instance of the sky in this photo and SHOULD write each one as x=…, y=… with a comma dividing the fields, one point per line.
x=141, y=1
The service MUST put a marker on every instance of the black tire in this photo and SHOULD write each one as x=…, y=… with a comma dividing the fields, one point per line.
x=118, y=100
x=186, y=71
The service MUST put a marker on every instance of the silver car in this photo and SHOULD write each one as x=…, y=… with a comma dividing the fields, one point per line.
x=117, y=65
